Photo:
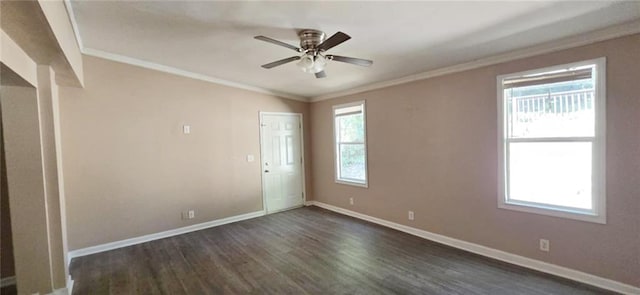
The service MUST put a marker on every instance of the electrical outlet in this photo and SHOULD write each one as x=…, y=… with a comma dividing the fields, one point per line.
x=192, y=214
x=411, y=215
x=350, y=201
x=186, y=129
x=544, y=245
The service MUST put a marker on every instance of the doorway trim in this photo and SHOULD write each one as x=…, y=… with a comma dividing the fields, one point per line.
x=262, y=168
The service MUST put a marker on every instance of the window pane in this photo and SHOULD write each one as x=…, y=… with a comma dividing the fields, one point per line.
x=350, y=128
x=352, y=158
x=554, y=173
x=551, y=110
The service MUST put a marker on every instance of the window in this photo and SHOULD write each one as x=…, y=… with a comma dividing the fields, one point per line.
x=350, y=143
x=552, y=141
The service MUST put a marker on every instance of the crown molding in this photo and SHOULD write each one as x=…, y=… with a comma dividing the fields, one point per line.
x=612, y=32
x=188, y=74
x=164, y=68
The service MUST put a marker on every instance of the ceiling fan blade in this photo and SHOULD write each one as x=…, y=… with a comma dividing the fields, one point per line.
x=321, y=75
x=280, y=62
x=334, y=40
x=351, y=60
x=276, y=42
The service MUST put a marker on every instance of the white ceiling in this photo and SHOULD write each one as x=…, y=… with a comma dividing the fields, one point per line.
x=402, y=38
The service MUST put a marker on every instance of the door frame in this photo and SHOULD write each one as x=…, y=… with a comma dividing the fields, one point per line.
x=262, y=167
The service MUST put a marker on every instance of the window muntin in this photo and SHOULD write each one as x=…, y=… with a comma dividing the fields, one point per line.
x=552, y=141
x=350, y=143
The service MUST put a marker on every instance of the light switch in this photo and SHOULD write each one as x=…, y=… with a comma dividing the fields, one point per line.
x=186, y=129
x=250, y=158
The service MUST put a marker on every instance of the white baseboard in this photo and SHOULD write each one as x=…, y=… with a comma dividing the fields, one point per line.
x=160, y=235
x=492, y=253
x=70, y=285
x=61, y=291
x=8, y=281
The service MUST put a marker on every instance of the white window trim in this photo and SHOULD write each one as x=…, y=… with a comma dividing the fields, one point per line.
x=335, y=146
x=598, y=214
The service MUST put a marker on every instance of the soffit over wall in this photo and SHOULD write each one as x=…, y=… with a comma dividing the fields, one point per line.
x=27, y=24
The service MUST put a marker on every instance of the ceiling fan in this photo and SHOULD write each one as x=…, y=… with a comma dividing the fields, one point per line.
x=313, y=46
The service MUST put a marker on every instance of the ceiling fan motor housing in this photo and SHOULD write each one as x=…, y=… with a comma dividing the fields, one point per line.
x=310, y=39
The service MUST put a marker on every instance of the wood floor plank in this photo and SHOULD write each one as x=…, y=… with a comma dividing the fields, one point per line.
x=305, y=251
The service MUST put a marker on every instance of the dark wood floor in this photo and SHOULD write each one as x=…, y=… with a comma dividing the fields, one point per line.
x=305, y=251
x=9, y=290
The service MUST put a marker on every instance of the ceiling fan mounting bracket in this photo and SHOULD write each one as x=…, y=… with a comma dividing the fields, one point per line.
x=310, y=39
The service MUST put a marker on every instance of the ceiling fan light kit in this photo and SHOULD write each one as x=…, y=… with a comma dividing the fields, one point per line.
x=313, y=45
x=312, y=64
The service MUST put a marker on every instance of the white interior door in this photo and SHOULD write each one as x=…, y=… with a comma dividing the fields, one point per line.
x=282, y=172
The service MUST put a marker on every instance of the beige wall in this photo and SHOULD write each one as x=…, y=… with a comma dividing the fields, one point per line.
x=432, y=148
x=47, y=107
x=33, y=230
x=129, y=170
x=27, y=196
x=35, y=33
x=7, y=268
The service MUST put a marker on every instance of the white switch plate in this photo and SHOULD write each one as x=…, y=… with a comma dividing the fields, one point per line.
x=192, y=214
x=250, y=158
x=186, y=129
x=411, y=215
x=351, y=201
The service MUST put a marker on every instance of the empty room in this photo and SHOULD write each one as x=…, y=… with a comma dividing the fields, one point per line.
x=319, y=147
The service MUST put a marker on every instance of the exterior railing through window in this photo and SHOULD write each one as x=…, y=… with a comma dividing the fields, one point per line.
x=532, y=112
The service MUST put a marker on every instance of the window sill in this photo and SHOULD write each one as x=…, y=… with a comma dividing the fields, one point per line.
x=352, y=183
x=553, y=211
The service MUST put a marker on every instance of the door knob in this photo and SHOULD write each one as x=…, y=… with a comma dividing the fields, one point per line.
x=266, y=171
